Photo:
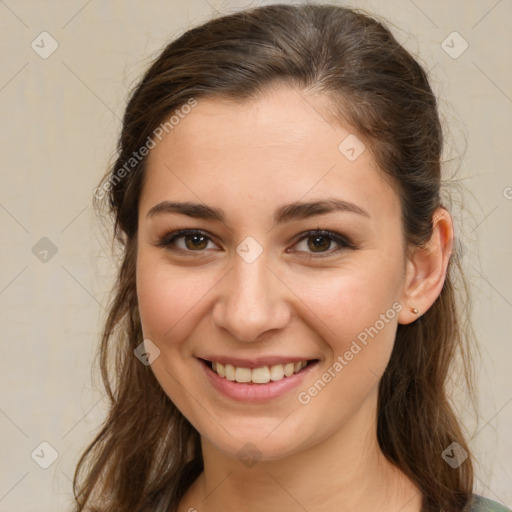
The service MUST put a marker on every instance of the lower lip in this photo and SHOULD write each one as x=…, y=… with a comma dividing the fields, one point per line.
x=251, y=392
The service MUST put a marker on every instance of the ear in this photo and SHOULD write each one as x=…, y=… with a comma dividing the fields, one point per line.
x=426, y=268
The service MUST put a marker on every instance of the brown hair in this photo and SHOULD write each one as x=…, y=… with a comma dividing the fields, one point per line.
x=147, y=453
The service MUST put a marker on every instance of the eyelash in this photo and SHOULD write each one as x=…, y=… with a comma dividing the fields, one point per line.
x=168, y=241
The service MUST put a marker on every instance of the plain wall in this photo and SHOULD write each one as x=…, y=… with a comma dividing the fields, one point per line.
x=60, y=120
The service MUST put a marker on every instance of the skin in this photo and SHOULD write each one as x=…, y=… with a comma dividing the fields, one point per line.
x=248, y=159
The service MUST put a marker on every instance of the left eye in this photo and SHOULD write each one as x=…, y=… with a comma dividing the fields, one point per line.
x=314, y=242
x=320, y=241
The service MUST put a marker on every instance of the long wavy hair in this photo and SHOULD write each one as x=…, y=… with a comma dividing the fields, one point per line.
x=146, y=454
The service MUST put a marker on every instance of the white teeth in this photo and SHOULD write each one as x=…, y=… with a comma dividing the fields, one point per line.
x=243, y=374
x=260, y=375
x=289, y=368
x=220, y=370
x=230, y=371
x=276, y=372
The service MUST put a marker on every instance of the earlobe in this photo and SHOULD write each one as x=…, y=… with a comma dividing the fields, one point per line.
x=426, y=269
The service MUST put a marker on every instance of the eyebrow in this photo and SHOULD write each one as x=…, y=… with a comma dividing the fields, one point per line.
x=285, y=213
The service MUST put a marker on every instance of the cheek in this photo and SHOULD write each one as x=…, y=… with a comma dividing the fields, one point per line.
x=348, y=304
x=357, y=318
x=167, y=296
x=168, y=299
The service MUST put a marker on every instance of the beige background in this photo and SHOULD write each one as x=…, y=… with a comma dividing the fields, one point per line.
x=60, y=119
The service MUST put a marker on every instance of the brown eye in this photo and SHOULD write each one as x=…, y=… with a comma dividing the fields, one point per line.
x=186, y=241
x=321, y=242
x=195, y=241
x=317, y=242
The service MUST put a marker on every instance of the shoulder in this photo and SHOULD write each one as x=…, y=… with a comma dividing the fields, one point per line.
x=481, y=504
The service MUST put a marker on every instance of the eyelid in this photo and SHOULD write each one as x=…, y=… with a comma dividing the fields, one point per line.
x=343, y=241
x=167, y=240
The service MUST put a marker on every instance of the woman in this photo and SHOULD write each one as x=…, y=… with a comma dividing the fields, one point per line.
x=284, y=319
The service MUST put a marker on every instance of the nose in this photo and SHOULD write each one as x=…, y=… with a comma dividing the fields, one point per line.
x=252, y=301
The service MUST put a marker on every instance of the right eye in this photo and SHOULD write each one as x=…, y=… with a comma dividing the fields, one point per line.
x=186, y=240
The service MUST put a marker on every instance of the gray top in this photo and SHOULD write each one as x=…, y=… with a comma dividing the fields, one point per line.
x=486, y=505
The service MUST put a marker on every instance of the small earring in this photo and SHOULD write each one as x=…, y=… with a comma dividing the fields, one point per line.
x=416, y=311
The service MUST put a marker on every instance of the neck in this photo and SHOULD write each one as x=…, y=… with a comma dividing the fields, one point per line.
x=346, y=471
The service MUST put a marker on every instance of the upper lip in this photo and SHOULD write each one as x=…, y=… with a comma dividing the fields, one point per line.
x=255, y=362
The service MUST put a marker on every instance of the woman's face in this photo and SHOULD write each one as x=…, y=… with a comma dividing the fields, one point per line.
x=255, y=287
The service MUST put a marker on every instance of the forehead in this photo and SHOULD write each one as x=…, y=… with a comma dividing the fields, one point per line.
x=281, y=146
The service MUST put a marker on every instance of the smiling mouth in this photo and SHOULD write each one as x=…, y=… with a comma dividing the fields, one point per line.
x=261, y=375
